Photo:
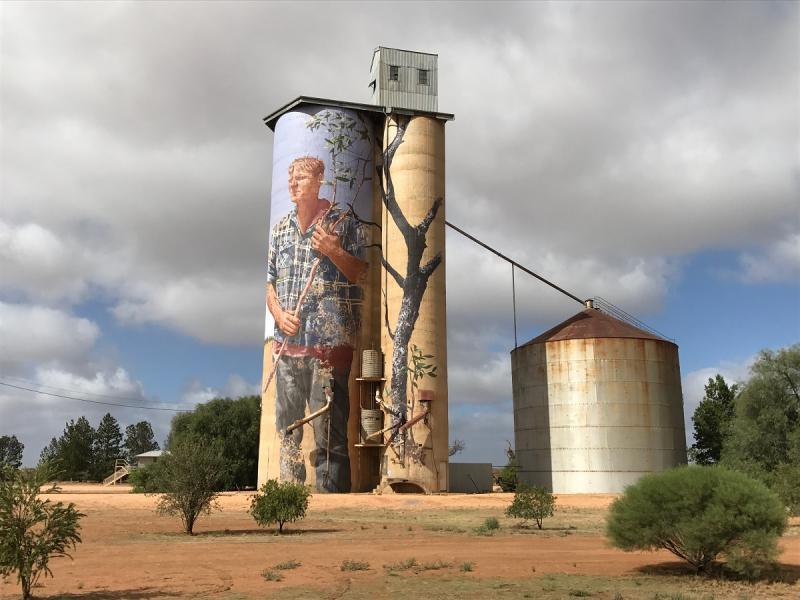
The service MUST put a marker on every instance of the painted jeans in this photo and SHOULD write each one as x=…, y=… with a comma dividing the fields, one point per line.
x=300, y=380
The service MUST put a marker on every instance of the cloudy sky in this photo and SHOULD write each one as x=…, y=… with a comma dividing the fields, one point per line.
x=642, y=152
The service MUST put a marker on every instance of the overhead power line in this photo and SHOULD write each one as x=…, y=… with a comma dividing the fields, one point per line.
x=69, y=390
x=19, y=387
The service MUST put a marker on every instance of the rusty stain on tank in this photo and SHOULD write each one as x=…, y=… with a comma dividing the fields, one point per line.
x=597, y=403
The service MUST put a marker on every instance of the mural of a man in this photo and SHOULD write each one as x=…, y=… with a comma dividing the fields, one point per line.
x=319, y=341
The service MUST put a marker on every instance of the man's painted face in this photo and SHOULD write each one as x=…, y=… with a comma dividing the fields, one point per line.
x=303, y=186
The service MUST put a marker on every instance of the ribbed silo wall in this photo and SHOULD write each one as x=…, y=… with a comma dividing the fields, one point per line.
x=594, y=415
x=321, y=453
x=418, y=181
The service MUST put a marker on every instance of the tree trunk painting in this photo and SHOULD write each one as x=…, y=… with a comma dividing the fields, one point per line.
x=413, y=284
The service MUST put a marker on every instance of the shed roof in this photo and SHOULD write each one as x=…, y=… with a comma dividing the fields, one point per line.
x=271, y=119
x=593, y=323
x=150, y=454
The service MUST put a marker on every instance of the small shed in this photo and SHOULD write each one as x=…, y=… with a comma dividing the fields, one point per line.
x=403, y=79
x=148, y=458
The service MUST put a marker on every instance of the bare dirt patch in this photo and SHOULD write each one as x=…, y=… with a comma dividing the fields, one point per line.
x=128, y=551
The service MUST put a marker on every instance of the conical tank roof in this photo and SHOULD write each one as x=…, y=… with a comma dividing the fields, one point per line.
x=592, y=323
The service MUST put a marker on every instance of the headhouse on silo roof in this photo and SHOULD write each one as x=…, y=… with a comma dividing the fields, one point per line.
x=404, y=79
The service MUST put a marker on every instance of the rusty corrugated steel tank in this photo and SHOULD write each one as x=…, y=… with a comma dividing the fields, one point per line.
x=597, y=404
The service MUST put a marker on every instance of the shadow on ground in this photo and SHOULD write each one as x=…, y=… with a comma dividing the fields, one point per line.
x=270, y=532
x=783, y=573
x=137, y=594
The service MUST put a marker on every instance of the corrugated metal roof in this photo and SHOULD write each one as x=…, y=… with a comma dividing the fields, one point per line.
x=592, y=323
x=271, y=119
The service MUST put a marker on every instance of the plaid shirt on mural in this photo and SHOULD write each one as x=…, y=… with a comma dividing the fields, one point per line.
x=330, y=312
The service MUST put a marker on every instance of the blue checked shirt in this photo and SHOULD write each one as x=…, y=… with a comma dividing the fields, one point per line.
x=329, y=316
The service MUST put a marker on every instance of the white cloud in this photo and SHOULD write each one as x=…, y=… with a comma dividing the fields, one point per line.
x=36, y=417
x=40, y=335
x=210, y=309
x=235, y=387
x=778, y=262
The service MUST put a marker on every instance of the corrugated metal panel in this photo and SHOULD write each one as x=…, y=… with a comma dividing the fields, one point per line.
x=406, y=91
x=591, y=415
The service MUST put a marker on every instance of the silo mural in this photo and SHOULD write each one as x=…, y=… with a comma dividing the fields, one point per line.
x=316, y=267
x=355, y=357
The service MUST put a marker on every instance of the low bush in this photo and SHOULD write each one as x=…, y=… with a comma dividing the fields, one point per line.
x=354, y=565
x=532, y=503
x=280, y=502
x=699, y=514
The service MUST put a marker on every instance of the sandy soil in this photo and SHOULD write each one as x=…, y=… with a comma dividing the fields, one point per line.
x=129, y=551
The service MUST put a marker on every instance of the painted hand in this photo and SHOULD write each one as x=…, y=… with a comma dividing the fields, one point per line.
x=288, y=323
x=324, y=242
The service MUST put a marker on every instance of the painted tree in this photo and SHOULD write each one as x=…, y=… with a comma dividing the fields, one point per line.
x=413, y=283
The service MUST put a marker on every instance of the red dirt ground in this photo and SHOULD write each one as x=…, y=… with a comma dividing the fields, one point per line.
x=128, y=551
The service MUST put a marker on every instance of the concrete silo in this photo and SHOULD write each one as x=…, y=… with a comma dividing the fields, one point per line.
x=597, y=404
x=372, y=176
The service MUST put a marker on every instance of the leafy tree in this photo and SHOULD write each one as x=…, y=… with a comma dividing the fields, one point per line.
x=712, y=420
x=280, y=502
x=139, y=439
x=106, y=446
x=10, y=452
x=50, y=456
x=189, y=476
x=71, y=455
x=233, y=425
x=765, y=433
x=32, y=530
x=507, y=480
x=532, y=503
x=699, y=513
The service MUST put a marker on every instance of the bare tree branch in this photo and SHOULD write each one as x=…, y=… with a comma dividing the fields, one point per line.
x=389, y=199
x=393, y=272
x=386, y=315
x=427, y=269
x=429, y=217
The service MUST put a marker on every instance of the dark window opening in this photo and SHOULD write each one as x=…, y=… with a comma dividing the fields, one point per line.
x=394, y=73
x=423, y=77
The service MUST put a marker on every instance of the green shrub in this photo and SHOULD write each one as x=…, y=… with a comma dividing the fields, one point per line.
x=147, y=479
x=32, y=530
x=280, y=502
x=491, y=523
x=288, y=565
x=507, y=480
x=189, y=476
x=532, y=503
x=699, y=513
x=466, y=567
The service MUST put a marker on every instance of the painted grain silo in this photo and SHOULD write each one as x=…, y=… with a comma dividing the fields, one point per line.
x=597, y=404
x=355, y=358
